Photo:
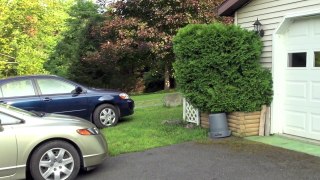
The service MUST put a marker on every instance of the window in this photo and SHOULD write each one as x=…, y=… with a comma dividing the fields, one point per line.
x=54, y=86
x=316, y=59
x=6, y=119
x=18, y=88
x=297, y=59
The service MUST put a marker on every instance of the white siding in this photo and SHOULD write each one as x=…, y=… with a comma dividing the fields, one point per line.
x=270, y=14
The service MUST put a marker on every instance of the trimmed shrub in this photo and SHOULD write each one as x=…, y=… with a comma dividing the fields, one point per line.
x=217, y=68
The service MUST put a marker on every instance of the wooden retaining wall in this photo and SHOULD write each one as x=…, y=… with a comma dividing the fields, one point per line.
x=241, y=124
x=204, y=120
x=244, y=124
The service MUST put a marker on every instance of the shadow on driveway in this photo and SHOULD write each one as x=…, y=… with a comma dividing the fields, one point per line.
x=228, y=158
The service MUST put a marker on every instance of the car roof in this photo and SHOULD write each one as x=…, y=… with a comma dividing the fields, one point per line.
x=26, y=77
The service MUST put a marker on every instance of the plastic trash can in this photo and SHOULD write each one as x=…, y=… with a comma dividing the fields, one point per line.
x=218, y=125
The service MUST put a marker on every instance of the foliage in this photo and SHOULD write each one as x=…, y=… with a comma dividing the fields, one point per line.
x=153, y=81
x=29, y=31
x=64, y=61
x=123, y=52
x=136, y=37
x=106, y=54
x=218, y=68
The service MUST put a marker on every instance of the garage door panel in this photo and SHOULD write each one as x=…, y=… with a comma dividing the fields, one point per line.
x=297, y=76
x=315, y=95
x=298, y=30
x=314, y=76
x=316, y=28
x=296, y=120
x=315, y=123
x=296, y=90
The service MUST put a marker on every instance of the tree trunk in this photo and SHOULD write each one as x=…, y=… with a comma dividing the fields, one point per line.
x=166, y=77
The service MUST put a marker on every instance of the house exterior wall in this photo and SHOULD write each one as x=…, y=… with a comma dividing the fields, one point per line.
x=271, y=13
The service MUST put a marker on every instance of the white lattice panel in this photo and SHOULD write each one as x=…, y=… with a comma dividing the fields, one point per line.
x=190, y=114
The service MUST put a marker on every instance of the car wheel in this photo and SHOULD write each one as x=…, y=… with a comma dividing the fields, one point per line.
x=105, y=115
x=55, y=160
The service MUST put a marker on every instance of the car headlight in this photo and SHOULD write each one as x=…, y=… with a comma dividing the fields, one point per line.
x=88, y=131
x=124, y=96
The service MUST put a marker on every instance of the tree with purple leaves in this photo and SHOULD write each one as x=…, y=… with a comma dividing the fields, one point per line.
x=137, y=34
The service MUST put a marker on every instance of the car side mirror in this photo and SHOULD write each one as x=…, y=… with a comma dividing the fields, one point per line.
x=78, y=90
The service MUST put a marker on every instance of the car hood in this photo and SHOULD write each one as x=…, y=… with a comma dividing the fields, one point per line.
x=115, y=92
x=50, y=118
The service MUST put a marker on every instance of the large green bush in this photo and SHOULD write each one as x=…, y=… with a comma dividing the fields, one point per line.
x=217, y=68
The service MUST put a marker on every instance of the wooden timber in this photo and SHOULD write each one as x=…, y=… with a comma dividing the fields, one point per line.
x=244, y=124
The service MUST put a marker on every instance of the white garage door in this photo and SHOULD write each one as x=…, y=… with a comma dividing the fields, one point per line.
x=302, y=79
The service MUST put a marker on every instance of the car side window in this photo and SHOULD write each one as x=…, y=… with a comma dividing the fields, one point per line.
x=54, y=86
x=6, y=119
x=18, y=88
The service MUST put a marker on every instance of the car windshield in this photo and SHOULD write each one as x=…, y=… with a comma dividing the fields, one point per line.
x=20, y=111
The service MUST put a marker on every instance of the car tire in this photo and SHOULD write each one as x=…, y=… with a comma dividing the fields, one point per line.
x=105, y=115
x=55, y=158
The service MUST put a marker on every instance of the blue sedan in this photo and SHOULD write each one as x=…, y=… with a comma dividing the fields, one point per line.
x=53, y=94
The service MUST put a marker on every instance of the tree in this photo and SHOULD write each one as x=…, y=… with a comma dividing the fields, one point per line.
x=29, y=31
x=153, y=24
x=76, y=41
x=120, y=55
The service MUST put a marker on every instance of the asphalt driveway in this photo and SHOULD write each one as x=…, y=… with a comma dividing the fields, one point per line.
x=229, y=158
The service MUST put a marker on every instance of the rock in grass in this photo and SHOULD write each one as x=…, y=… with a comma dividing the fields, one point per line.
x=190, y=126
x=172, y=122
x=172, y=100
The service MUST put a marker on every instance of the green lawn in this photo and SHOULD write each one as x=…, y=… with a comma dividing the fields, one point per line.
x=144, y=129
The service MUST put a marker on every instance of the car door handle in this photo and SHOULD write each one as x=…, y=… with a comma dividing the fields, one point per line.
x=46, y=99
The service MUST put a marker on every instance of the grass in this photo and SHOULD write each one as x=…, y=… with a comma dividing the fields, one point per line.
x=145, y=129
x=147, y=100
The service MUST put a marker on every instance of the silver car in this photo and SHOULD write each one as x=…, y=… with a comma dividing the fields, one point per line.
x=47, y=146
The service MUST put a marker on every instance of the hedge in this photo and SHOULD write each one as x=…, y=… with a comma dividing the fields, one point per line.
x=217, y=68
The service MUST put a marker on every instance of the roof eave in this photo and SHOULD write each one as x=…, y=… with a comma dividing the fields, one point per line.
x=229, y=7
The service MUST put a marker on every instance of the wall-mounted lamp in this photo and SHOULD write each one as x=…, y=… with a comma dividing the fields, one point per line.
x=258, y=28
